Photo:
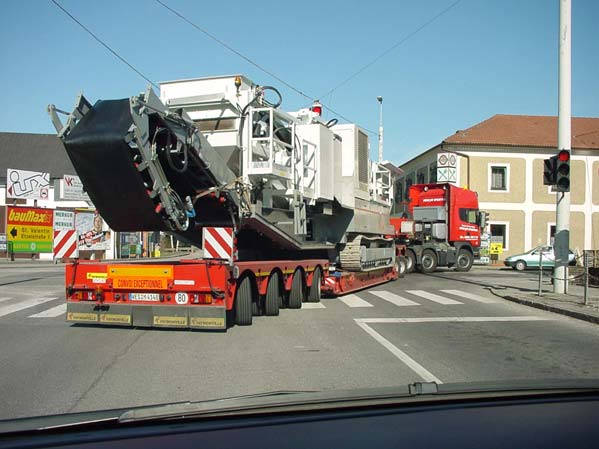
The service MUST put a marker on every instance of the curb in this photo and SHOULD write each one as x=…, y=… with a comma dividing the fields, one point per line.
x=554, y=309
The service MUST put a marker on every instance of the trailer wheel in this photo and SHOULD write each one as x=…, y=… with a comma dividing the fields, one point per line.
x=410, y=261
x=273, y=296
x=428, y=262
x=314, y=290
x=243, y=302
x=401, y=264
x=464, y=261
x=297, y=293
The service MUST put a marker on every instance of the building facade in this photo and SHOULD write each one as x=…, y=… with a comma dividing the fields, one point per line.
x=502, y=160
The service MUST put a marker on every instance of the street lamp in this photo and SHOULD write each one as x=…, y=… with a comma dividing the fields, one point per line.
x=380, y=100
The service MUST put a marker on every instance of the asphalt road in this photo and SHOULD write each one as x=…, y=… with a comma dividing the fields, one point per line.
x=446, y=327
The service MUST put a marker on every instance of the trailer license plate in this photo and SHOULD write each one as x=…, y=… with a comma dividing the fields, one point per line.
x=144, y=297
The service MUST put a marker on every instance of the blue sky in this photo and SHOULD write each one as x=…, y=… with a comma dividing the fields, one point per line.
x=481, y=58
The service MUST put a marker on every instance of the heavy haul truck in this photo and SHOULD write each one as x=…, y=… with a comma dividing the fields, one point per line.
x=441, y=226
x=285, y=206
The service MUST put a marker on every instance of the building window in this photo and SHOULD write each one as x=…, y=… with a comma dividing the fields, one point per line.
x=432, y=174
x=420, y=178
x=499, y=177
x=500, y=234
x=550, y=233
x=409, y=183
x=398, y=191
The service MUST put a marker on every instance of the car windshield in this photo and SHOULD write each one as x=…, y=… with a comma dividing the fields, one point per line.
x=202, y=200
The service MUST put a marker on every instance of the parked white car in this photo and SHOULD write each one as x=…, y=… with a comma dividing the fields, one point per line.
x=530, y=259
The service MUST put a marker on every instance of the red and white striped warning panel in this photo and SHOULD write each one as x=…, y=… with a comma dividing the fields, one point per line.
x=65, y=235
x=218, y=243
x=65, y=244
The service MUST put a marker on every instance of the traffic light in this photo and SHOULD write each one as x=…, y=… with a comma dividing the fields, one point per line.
x=549, y=174
x=562, y=171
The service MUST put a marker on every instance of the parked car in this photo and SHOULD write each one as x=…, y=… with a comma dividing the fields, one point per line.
x=530, y=259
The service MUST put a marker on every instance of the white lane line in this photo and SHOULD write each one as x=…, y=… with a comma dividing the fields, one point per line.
x=409, y=361
x=354, y=301
x=470, y=296
x=5, y=299
x=454, y=319
x=52, y=312
x=6, y=310
x=433, y=297
x=405, y=358
x=313, y=305
x=393, y=298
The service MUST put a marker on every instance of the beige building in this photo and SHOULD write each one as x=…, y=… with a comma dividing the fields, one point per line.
x=502, y=159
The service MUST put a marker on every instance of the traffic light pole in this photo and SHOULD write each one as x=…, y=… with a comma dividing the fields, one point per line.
x=564, y=142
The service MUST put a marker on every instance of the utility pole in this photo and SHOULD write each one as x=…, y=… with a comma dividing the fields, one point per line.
x=564, y=142
x=380, y=100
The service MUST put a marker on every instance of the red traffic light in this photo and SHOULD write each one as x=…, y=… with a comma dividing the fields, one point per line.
x=563, y=156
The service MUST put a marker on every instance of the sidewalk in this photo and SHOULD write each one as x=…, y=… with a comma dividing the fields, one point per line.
x=570, y=304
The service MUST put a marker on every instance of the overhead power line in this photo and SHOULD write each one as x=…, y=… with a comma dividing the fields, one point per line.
x=105, y=45
x=231, y=49
x=390, y=49
x=252, y=62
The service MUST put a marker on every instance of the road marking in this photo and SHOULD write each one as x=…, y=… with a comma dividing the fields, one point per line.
x=454, y=319
x=405, y=358
x=354, y=301
x=425, y=374
x=433, y=297
x=313, y=305
x=5, y=299
x=470, y=296
x=52, y=312
x=393, y=298
x=6, y=310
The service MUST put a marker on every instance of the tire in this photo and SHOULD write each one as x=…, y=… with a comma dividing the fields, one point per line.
x=520, y=265
x=464, y=261
x=314, y=290
x=297, y=293
x=402, y=267
x=410, y=261
x=243, y=302
x=428, y=261
x=273, y=296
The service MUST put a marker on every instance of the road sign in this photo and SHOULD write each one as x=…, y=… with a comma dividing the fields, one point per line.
x=496, y=248
x=29, y=229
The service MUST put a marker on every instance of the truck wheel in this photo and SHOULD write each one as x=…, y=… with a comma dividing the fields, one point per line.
x=296, y=295
x=273, y=295
x=428, y=262
x=401, y=264
x=410, y=261
x=464, y=261
x=243, y=302
x=314, y=289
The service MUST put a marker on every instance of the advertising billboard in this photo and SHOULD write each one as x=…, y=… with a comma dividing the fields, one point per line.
x=93, y=234
x=29, y=229
x=24, y=184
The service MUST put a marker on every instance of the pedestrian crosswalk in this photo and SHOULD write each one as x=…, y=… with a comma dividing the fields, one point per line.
x=433, y=297
x=24, y=304
x=55, y=307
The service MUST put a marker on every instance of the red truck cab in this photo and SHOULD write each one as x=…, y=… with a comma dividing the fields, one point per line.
x=442, y=227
